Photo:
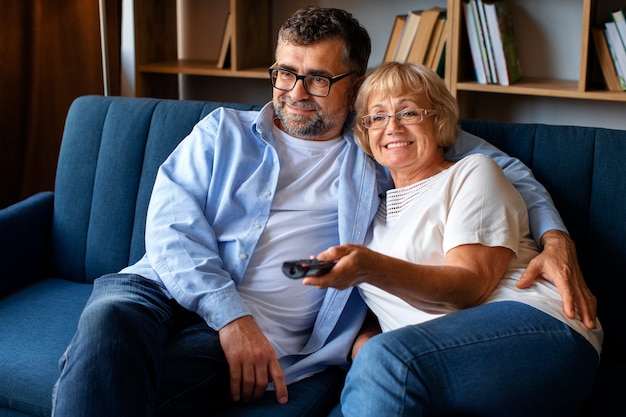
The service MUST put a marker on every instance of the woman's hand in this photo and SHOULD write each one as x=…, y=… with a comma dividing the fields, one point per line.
x=467, y=278
x=355, y=262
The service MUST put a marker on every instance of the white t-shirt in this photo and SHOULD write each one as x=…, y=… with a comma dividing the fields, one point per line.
x=470, y=202
x=302, y=222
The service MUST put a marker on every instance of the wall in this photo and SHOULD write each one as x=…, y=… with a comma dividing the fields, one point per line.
x=547, y=49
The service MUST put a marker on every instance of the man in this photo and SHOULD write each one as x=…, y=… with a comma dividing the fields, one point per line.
x=206, y=322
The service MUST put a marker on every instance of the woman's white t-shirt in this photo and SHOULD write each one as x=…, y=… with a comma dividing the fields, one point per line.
x=471, y=202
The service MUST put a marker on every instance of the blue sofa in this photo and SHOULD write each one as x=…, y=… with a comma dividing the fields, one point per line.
x=54, y=244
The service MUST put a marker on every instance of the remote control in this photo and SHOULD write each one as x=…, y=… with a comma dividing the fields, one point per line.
x=306, y=267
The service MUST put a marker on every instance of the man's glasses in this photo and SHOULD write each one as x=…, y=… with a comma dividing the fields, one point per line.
x=315, y=85
x=404, y=117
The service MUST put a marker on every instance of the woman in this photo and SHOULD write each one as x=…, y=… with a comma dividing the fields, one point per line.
x=439, y=272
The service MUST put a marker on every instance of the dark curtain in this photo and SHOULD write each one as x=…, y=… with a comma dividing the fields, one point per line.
x=50, y=53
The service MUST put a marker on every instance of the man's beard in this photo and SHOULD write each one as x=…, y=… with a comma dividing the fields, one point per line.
x=303, y=126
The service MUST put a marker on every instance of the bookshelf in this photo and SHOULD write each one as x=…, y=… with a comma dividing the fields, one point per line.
x=158, y=68
x=460, y=78
x=157, y=60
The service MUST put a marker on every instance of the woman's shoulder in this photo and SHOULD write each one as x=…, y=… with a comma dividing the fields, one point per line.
x=478, y=162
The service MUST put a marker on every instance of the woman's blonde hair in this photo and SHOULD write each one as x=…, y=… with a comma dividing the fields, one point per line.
x=396, y=79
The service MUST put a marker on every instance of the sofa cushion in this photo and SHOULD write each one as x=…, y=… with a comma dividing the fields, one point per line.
x=606, y=252
x=111, y=150
x=583, y=168
x=37, y=324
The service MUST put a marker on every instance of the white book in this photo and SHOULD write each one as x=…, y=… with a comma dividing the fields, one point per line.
x=485, y=30
x=617, y=51
x=500, y=24
x=472, y=34
x=620, y=24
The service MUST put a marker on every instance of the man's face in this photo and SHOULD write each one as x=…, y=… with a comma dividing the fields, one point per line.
x=301, y=114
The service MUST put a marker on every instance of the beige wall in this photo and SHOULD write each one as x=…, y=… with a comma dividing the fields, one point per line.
x=546, y=49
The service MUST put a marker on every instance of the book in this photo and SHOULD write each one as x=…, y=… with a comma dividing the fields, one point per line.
x=472, y=34
x=500, y=27
x=435, y=40
x=620, y=24
x=423, y=36
x=605, y=59
x=481, y=40
x=226, y=39
x=484, y=31
x=394, y=38
x=617, y=53
x=439, y=64
x=408, y=34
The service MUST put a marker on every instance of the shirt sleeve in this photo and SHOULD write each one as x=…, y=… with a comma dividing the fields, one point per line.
x=181, y=243
x=541, y=210
x=484, y=207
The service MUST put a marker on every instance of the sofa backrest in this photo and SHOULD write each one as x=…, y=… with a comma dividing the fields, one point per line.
x=584, y=169
x=110, y=152
x=112, y=147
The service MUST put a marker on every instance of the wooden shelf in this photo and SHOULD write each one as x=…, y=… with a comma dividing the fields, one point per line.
x=460, y=67
x=157, y=63
x=156, y=51
x=544, y=88
x=206, y=68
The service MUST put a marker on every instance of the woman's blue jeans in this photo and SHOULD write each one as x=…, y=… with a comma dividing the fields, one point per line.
x=498, y=359
x=137, y=353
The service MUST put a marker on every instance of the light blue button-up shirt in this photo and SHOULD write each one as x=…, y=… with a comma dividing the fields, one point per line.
x=211, y=202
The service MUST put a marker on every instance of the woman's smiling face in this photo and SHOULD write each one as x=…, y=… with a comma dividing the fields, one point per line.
x=407, y=150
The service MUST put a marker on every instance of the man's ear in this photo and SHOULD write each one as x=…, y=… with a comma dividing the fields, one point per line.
x=355, y=90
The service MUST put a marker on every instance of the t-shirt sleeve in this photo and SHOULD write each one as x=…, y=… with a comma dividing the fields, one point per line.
x=484, y=207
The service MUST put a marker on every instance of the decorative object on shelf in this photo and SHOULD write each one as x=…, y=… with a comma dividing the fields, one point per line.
x=223, y=60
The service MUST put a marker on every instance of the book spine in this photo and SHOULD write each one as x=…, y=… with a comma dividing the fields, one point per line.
x=472, y=34
x=618, y=54
x=480, y=6
x=509, y=44
x=620, y=25
x=481, y=40
x=394, y=37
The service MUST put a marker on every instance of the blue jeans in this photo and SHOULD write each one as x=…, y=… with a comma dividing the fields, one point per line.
x=137, y=353
x=498, y=359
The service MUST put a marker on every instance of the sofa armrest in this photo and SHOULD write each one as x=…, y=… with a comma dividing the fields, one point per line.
x=24, y=235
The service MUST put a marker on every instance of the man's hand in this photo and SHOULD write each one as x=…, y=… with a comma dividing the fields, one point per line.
x=558, y=264
x=252, y=361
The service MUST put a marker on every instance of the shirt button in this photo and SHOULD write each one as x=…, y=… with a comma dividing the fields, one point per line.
x=267, y=194
x=243, y=256
x=257, y=226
